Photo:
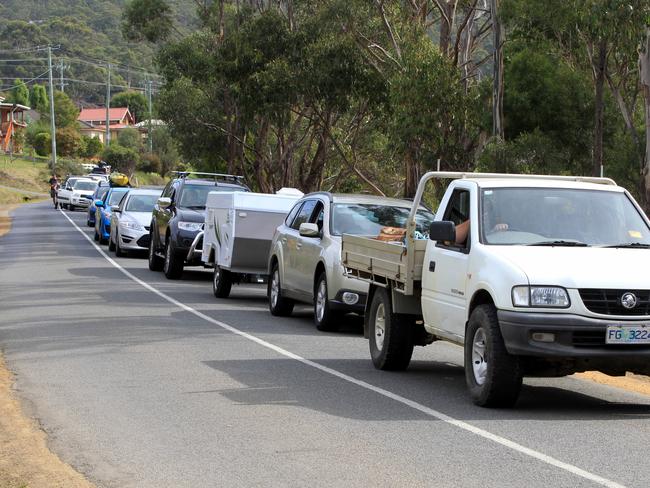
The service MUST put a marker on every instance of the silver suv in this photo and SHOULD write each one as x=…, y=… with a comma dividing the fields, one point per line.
x=305, y=257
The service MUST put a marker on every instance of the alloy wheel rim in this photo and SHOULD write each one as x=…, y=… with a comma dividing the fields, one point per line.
x=380, y=326
x=275, y=288
x=479, y=362
x=321, y=297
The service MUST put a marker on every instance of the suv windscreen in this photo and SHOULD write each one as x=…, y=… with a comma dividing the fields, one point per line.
x=540, y=216
x=196, y=196
x=85, y=185
x=368, y=219
x=141, y=203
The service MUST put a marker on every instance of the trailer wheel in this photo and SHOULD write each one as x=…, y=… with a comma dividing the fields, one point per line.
x=278, y=305
x=493, y=375
x=221, y=282
x=391, y=335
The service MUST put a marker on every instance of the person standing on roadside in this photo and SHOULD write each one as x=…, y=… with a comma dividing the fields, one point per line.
x=54, y=186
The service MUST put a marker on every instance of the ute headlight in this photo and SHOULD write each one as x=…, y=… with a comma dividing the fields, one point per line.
x=190, y=225
x=131, y=225
x=540, y=296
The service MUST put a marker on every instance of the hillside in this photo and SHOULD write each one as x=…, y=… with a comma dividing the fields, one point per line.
x=88, y=32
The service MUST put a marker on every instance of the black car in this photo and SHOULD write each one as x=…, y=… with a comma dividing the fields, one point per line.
x=178, y=217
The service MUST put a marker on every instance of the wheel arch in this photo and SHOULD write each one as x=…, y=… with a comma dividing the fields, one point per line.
x=320, y=269
x=480, y=297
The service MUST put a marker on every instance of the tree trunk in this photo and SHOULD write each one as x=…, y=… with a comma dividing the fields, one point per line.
x=448, y=11
x=412, y=171
x=644, y=70
x=497, y=91
x=599, y=106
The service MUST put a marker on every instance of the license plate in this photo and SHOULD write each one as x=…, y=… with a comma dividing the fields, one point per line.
x=628, y=334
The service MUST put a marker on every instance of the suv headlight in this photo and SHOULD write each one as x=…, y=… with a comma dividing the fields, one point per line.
x=190, y=225
x=131, y=225
x=540, y=296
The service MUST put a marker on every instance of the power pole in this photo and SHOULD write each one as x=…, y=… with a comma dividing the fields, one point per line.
x=61, y=75
x=149, y=104
x=108, y=106
x=52, y=121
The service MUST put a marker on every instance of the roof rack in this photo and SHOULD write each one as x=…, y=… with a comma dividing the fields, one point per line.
x=456, y=175
x=185, y=174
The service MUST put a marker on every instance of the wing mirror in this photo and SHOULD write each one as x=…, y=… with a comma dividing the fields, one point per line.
x=164, y=202
x=115, y=208
x=99, y=204
x=309, y=230
x=442, y=231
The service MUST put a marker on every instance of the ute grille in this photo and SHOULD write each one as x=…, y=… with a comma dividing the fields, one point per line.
x=608, y=302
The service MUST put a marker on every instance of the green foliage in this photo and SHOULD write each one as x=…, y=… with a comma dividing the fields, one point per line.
x=92, y=147
x=166, y=149
x=42, y=144
x=39, y=100
x=65, y=111
x=150, y=163
x=130, y=138
x=135, y=101
x=19, y=94
x=121, y=158
x=68, y=142
x=149, y=20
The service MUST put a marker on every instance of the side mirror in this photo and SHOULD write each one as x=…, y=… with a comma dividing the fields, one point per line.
x=99, y=203
x=309, y=230
x=164, y=202
x=115, y=208
x=442, y=231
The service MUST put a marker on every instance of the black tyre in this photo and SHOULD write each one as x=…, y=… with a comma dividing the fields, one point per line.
x=325, y=318
x=493, y=376
x=111, y=243
x=391, y=335
x=156, y=263
x=119, y=252
x=89, y=223
x=173, y=265
x=96, y=236
x=102, y=239
x=72, y=208
x=221, y=282
x=279, y=305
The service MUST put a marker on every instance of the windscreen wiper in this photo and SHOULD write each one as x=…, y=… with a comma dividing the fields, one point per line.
x=637, y=245
x=560, y=243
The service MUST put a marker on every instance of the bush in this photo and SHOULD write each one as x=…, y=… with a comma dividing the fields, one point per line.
x=68, y=142
x=130, y=138
x=121, y=158
x=42, y=143
x=92, y=147
x=150, y=163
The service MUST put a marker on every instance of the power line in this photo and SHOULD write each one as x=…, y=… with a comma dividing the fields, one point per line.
x=28, y=82
x=21, y=60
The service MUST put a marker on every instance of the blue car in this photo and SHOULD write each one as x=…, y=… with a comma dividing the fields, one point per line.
x=103, y=213
x=99, y=194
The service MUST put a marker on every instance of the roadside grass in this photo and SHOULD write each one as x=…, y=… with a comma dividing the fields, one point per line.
x=23, y=174
x=148, y=179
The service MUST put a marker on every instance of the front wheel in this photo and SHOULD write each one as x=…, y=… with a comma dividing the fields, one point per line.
x=279, y=305
x=173, y=266
x=221, y=282
x=326, y=319
x=493, y=376
x=155, y=262
x=391, y=334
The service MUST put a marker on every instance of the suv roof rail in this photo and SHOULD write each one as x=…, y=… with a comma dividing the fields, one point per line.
x=456, y=175
x=185, y=174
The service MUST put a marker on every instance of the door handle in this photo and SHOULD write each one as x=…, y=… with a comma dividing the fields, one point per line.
x=432, y=266
x=298, y=246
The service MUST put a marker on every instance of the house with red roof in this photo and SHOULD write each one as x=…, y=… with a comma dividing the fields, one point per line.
x=92, y=121
x=12, y=123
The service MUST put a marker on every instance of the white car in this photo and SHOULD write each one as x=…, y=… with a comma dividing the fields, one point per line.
x=76, y=192
x=305, y=257
x=130, y=221
x=532, y=275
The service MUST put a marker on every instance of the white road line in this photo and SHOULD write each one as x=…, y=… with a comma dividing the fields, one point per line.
x=381, y=391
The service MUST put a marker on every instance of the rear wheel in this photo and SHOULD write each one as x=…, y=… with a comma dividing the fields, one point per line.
x=325, y=318
x=221, y=282
x=278, y=305
x=493, y=376
x=155, y=262
x=391, y=335
x=173, y=266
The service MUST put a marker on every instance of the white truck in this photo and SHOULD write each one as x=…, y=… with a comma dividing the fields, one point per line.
x=237, y=234
x=552, y=278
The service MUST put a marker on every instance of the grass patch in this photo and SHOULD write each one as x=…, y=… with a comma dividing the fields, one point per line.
x=23, y=174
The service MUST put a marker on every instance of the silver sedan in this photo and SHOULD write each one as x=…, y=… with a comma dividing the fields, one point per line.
x=130, y=221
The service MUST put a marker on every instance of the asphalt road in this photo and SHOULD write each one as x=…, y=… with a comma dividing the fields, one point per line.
x=141, y=381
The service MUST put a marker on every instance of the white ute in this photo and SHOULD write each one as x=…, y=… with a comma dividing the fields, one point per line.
x=552, y=279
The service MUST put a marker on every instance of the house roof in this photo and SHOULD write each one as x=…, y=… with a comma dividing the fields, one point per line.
x=18, y=106
x=90, y=114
